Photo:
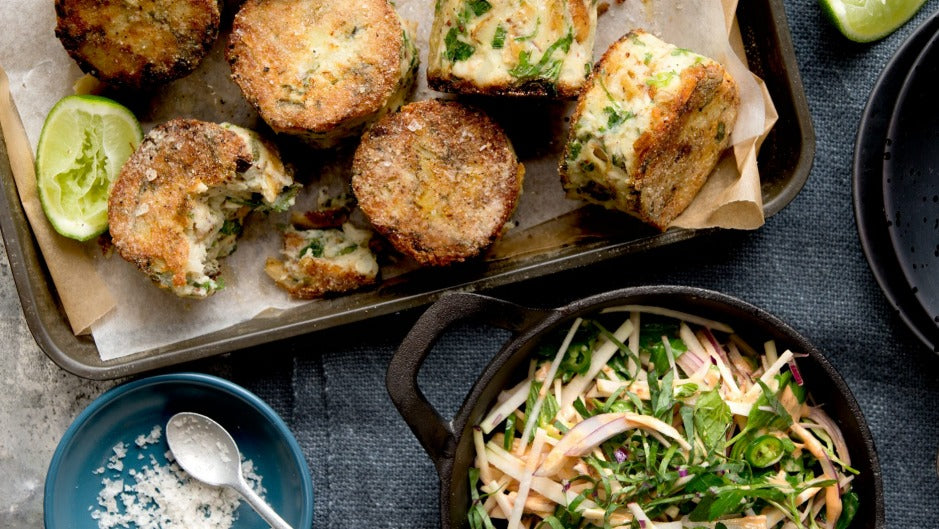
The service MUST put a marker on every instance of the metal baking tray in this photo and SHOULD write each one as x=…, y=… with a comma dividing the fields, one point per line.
x=785, y=161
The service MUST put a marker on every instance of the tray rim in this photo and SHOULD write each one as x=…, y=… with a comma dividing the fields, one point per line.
x=53, y=335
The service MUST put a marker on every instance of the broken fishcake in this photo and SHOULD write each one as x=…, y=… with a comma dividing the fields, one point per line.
x=137, y=43
x=180, y=200
x=322, y=261
x=438, y=179
x=648, y=129
x=322, y=69
x=536, y=47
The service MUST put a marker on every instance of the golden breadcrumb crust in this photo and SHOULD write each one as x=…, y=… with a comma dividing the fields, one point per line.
x=311, y=65
x=438, y=179
x=675, y=158
x=140, y=43
x=151, y=202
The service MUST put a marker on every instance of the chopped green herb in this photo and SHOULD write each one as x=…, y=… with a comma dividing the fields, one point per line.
x=548, y=67
x=647, y=58
x=531, y=35
x=456, y=50
x=574, y=150
x=587, y=166
x=721, y=131
x=348, y=249
x=617, y=116
x=478, y=517
x=314, y=248
x=479, y=7
x=661, y=79
x=849, y=506
x=498, y=40
x=231, y=227
x=509, y=432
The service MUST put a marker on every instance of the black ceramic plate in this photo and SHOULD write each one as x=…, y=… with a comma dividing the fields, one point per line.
x=873, y=221
x=911, y=179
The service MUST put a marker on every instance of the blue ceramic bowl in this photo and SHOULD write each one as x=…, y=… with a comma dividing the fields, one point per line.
x=121, y=414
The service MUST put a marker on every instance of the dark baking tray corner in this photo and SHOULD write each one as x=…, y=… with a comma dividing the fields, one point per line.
x=785, y=161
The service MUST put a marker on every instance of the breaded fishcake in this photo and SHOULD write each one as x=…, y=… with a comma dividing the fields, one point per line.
x=321, y=69
x=137, y=43
x=530, y=48
x=649, y=128
x=438, y=179
x=322, y=261
x=180, y=200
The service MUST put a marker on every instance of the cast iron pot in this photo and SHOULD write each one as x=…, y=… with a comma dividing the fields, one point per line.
x=450, y=443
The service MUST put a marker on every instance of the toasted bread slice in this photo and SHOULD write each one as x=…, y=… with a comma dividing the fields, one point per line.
x=179, y=202
x=322, y=69
x=438, y=179
x=531, y=48
x=137, y=44
x=648, y=129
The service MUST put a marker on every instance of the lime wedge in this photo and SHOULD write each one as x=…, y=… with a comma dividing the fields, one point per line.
x=869, y=20
x=83, y=144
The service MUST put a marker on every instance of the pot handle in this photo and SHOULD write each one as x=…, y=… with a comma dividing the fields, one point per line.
x=433, y=431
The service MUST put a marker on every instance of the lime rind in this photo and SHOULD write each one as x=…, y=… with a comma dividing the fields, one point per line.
x=83, y=144
x=869, y=20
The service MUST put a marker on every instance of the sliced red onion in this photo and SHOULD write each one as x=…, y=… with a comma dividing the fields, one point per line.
x=620, y=455
x=823, y=420
x=829, y=468
x=682, y=472
x=598, y=436
x=574, y=440
x=796, y=375
x=716, y=345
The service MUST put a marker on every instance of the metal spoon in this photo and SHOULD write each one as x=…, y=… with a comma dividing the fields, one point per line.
x=208, y=453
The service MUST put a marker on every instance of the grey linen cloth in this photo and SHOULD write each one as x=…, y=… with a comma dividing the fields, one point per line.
x=805, y=265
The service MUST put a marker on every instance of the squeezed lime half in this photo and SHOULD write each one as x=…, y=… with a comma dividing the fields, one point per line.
x=83, y=144
x=869, y=20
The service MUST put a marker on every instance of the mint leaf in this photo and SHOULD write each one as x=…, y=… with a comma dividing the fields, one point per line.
x=711, y=419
